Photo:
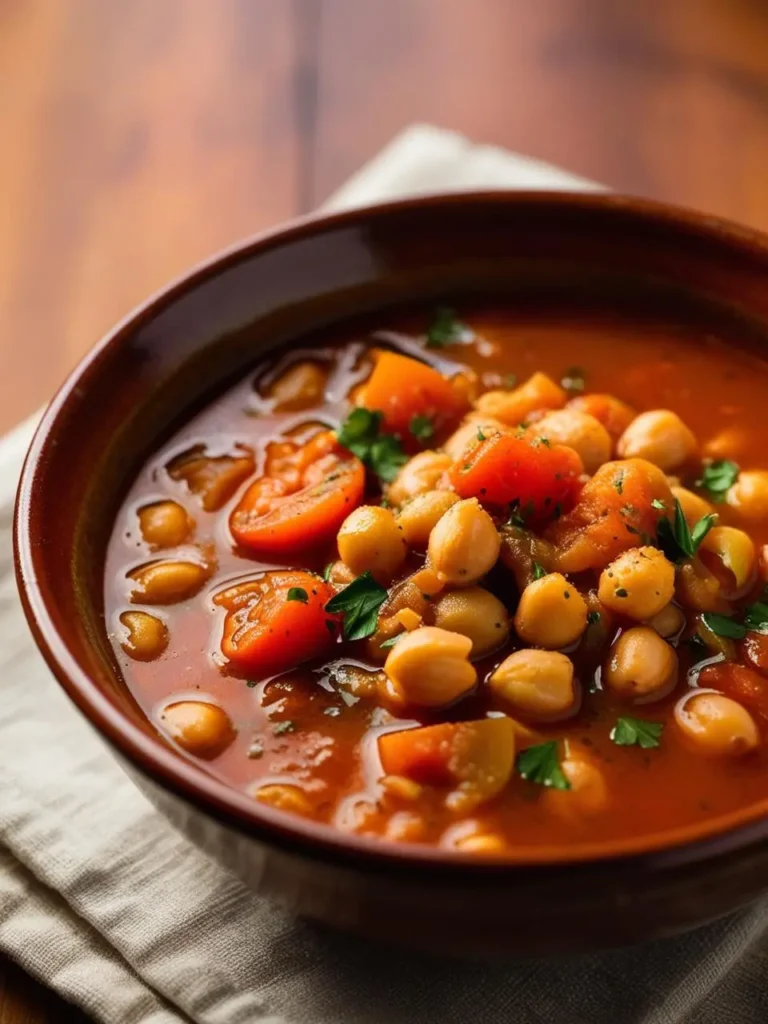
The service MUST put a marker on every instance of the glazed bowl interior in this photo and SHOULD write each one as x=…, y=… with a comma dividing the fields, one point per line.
x=537, y=251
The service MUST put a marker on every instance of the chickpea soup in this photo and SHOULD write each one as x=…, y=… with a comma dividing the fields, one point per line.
x=474, y=580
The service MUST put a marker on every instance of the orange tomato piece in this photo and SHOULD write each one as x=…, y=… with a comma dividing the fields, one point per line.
x=473, y=759
x=614, y=414
x=306, y=493
x=740, y=683
x=505, y=467
x=615, y=512
x=265, y=632
x=754, y=651
x=401, y=388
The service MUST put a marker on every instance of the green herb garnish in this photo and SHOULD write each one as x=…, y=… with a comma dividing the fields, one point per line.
x=723, y=625
x=718, y=477
x=480, y=434
x=540, y=764
x=538, y=571
x=422, y=428
x=250, y=683
x=676, y=540
x=445, y=329
x=391, y=642
x=327, y=571
x=297, y=594
x=756, y=617
x=382, y=453
x=658, y=504
x=359, y=603
x=515, y=519
x=637, y=732
x=618, y=482
x=593, y=618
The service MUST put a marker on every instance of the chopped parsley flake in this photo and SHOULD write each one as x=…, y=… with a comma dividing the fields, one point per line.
x=718, y=477
x=676, y=540
x=382, y=453
x=422, y=428
x=297, y=594
x=631, y=732
x=445, y=329
x=538, y=571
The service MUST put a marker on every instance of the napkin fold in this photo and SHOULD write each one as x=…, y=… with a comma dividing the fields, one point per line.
x=102, y=900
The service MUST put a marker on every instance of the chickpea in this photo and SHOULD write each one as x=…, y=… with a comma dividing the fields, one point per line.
x=167, y=582
x=716, y=725
x=419, y=516
x=477, y=614
x=749, y=494
x=284, y=798
x=641, y=666
x=147, y=635
x=668, y=622
x=201, y=728
x=693, y=505
x=588, y=795
x=730, y=554
x=580, y=431
x=164, y=524
x=551, y=612
x=659, y=436
x=465, y=544
x=539, y=685
x=300, y=387
x=482, y=843
x=421, y=473
x=638, y=584
x=698, y=588
x=512, y=407
x=467, y=434
x=429, y=668
x=371, y=540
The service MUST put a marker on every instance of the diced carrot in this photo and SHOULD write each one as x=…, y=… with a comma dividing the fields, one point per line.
x=614, y=414
x=615, y=512
x=472, y=759
x=299, y=504
x=504, y=468
x=401, y=388
x=740, y=683
x=265, y=632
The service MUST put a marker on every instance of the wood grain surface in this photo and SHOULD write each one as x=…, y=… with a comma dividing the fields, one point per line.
x=139, y=137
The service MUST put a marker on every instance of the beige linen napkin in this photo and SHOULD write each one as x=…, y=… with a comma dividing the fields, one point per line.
x=103, y=901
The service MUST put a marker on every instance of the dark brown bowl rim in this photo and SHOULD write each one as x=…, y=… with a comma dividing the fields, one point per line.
x=659, y=851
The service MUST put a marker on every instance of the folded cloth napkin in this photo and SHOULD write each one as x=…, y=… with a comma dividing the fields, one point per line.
x=103, y=901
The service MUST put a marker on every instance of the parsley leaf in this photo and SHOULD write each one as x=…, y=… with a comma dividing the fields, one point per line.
x=480, y=434
x=383, y=453
x=756, y=617
x=676, y=540
x=445, y=329
x=723, y=625
x=631, y=732
x=574, y=379
x=422, y=428
x=391, y=642
x=658, y=504
x=718, y=477
x=540, y=764
x=297, y=594
x=359, y=603
x=538, y=571
x=515, y=519
x=327, y=571
x=618, y=482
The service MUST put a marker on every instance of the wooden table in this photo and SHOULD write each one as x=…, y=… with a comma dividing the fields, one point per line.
x=139, y=137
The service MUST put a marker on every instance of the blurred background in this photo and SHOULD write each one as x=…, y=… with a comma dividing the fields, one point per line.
x=138, y=136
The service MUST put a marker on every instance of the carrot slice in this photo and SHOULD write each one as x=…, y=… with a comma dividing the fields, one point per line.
x=618, y=509
x=276, y=621
x=301, y=501
x=473, y=759
x=401, y=388
x=503, y=468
